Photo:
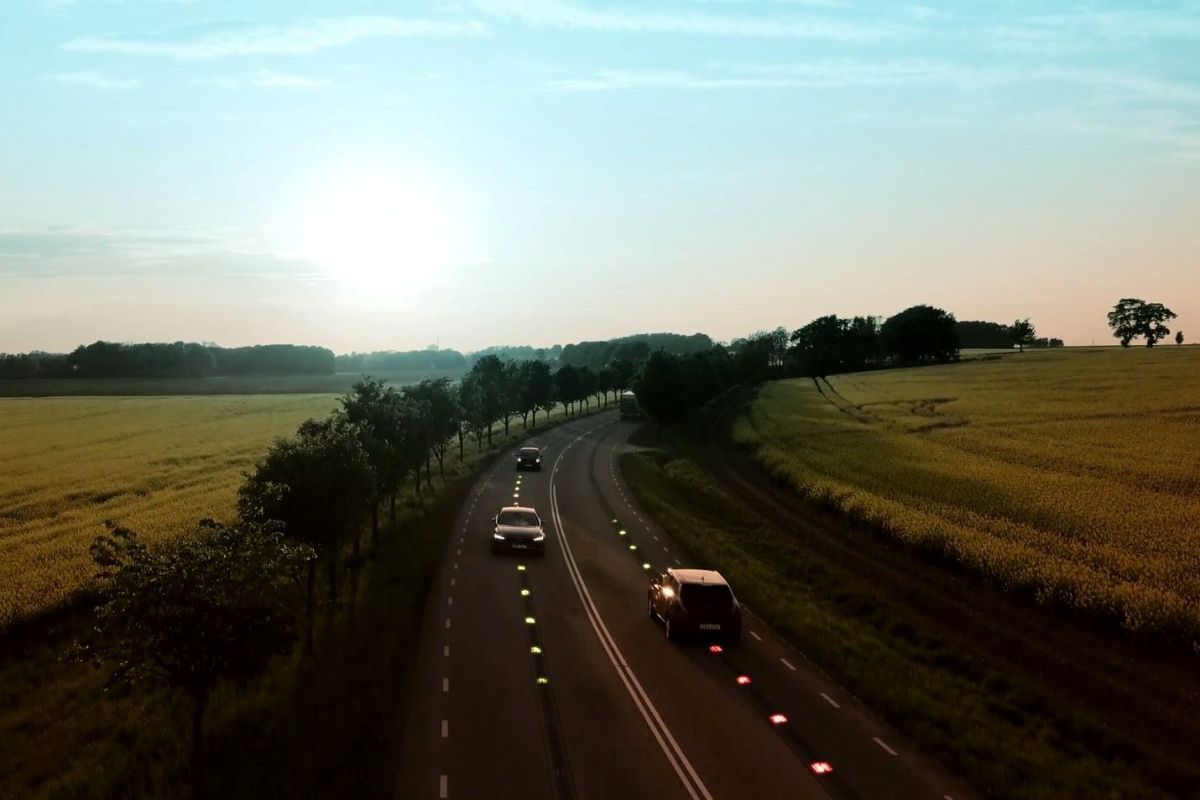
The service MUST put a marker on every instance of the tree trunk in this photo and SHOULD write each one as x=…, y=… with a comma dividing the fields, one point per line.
x=506, y=420
x=429, y=469
x=490, y=434
x=333, y=576
x=392, y=507
x=310, y=604
x=534, y=422
x=460, y=446
x=199, y=705
x=441, y=457
x=374, y=527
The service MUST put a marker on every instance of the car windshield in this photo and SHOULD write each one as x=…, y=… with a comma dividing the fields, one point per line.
x=700, y=599
x=529, y=451
x=519, y=518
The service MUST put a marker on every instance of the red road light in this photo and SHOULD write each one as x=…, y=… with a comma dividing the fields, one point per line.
x=821, y=767
x=743, y=680
x=716, y=648
x=778, y=719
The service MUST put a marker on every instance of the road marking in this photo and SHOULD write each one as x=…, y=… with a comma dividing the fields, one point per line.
x=446, y=650
x=662, y=734
x=830, y=700
x=757, y=638
x=884, y=745
x=447, y=623
x=455, y=565
x=458, y=552
x=666, y=549
x=452, y=581
x=443, y=789
x=788, y=664
x=947, y=797
x=445, y=729
x=678, y=563
x=445, y=684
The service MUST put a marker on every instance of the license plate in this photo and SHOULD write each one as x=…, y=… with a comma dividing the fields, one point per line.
x=522, y=547
x=708, y=626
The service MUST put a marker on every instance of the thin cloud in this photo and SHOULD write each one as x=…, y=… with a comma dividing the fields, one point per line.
x=279, y=40
x=556, y=14
x=92, y=80
x=279, y=80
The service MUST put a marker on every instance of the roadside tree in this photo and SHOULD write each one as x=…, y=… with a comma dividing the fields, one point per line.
x=919, y=335
x=1022, y=333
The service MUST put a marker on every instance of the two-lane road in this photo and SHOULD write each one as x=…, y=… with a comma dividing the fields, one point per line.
x=544, y=677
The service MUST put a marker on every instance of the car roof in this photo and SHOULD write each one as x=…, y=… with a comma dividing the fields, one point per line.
x=518, y=508
x=527, y=449
x=706, y=576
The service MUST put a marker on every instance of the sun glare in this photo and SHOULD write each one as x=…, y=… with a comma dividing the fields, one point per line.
x=378, y=231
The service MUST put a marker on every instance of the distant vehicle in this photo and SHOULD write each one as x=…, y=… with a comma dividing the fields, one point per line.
x=518, y=530
x=695, y=601
x=629, y=406
x=529, y=458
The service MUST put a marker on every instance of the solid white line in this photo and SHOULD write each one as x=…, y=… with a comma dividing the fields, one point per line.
x=884, y=745
x=446, y=650
x=443, y=789
x=662, y=734
x=445, y=729
x=757, y=638
x=445, y=684
x=788, y=664
x=830, y=700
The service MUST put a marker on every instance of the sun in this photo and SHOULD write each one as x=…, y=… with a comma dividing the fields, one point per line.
x=377, y=231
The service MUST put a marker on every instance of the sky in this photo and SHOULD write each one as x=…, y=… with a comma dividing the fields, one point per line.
x=386, y=175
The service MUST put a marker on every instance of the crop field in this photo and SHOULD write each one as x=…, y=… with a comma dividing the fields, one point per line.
x=155, y=464
x=1070, y=474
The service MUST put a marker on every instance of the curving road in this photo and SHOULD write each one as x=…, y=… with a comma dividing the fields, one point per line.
x=544, y=678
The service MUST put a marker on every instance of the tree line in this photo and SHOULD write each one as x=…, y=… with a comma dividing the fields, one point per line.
x=168, y=360
x=671, y=387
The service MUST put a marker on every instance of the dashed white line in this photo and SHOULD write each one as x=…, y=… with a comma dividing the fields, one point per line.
x=458, y=552
x=447, y=623
x=830, y=700
x=445, y=684
x=788, y=664
x=455, y=565
x=884, y=745
x=678, y=563
x=445, y=729
x=443, y=789
x=450, y=600
x=757, y=638
x=452, y=580
x=446, y=650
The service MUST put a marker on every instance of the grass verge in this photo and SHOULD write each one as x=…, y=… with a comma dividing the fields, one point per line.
x=1004, y=736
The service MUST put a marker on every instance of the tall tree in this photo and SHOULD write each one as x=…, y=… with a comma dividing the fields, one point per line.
x=567, y=384
x=1022, y=333
x=216, y=603
x=920, y=334
x=316, y=485
x=493, y=392
x=1132, y=317
x=1179, y=337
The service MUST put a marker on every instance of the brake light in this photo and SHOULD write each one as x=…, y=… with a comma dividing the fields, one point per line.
x=743, y=680
x=778, y=719
x=716, y=648
x=821, y=767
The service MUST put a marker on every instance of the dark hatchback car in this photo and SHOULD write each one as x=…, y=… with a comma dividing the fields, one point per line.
x=695, y=602
x=529, y=458
x=518, y=530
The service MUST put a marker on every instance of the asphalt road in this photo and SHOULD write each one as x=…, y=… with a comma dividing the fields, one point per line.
x=545, y=678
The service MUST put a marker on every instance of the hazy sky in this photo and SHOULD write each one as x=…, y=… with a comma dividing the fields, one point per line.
x=381, y=175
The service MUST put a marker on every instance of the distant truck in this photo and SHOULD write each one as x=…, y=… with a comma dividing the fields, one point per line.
x=629, y=406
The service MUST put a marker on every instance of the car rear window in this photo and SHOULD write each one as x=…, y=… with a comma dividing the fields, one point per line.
x=520, y=518
x=700, y=599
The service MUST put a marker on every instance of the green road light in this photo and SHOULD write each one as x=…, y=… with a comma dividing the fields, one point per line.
x=520, y=567
x=524, y=593
x=542, y=680
x=645, y=566
x=620, y=533
x=530, y=621
x=633, y=547
x=537, y=651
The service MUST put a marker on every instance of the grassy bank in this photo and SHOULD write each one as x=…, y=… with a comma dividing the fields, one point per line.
x=1002, y=734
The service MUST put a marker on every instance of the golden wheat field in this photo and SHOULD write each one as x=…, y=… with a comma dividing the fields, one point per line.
x=155, y=464
x=1071, y=473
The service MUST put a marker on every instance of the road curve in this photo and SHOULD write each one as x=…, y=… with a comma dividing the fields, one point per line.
x=544, y=677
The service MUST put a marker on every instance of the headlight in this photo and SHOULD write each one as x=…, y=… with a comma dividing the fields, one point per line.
x=539, y=537
x=539, y=459
x=498, y=537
